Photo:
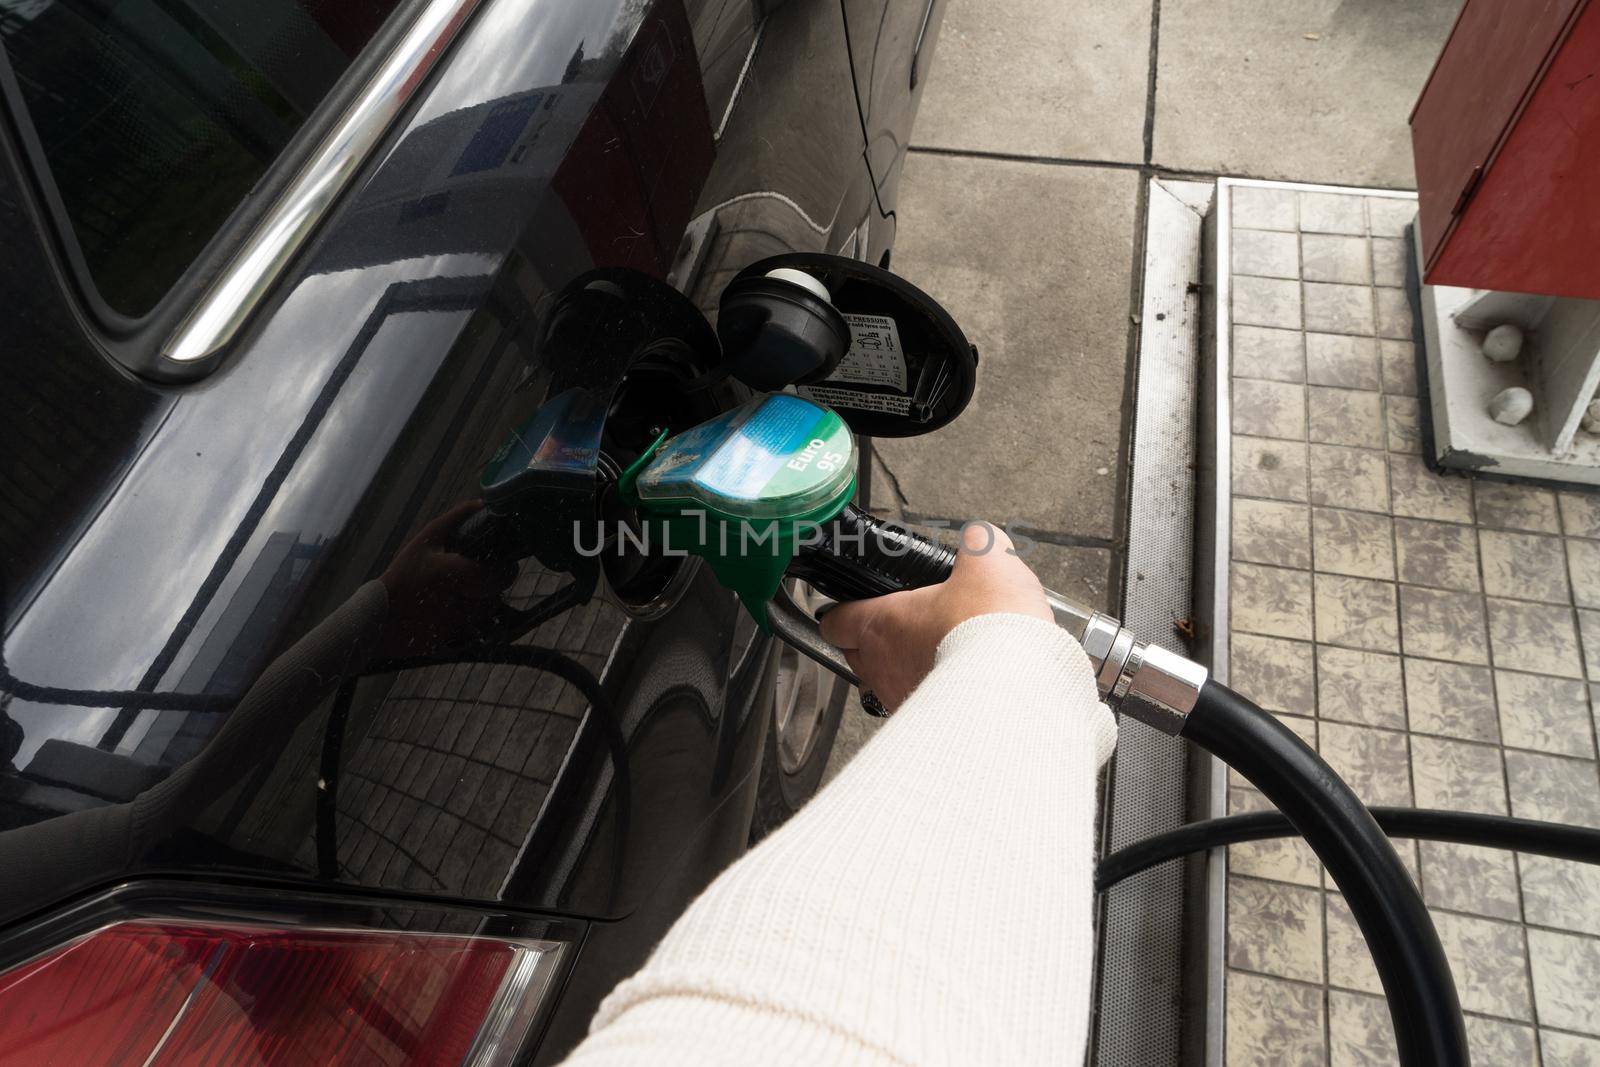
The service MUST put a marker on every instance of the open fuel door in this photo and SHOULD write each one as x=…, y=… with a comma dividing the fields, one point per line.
x=885, y=355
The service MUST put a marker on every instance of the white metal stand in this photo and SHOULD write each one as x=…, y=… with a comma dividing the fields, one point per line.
x=1559, y=365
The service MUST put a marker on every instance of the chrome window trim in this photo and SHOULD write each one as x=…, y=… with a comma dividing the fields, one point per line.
x=255, y=267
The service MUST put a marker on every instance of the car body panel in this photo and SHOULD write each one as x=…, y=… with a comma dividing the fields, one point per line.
x=892, y=45
x=191, y=539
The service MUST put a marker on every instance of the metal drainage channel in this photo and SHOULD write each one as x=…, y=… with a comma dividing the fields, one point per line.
x=1144, y=1002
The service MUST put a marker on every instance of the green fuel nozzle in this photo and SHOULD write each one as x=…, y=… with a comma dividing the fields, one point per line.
x=748, y=490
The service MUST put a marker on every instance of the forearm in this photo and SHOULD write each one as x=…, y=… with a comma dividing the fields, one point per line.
x=931, y=905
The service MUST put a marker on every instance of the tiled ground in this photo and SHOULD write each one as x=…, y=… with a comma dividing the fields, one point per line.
x=1434, y=638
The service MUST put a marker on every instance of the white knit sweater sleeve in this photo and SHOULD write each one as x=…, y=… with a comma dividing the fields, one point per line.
x=930, y=906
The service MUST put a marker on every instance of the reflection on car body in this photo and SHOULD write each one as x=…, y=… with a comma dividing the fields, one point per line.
x=168, y=548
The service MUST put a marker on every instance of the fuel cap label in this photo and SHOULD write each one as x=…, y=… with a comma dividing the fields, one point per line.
x=888, y=403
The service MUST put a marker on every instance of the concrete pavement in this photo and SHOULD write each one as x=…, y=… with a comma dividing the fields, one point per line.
x=1022, y=208
x=1036, y=253
x=1306, y=90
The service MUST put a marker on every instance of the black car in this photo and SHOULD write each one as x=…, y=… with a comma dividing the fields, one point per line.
x=287, y=773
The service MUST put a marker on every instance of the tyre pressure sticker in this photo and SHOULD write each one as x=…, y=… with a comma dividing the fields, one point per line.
x=854, y=398
x=875, y=356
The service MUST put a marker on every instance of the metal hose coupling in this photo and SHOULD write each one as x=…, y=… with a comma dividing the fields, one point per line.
x=1149, y=683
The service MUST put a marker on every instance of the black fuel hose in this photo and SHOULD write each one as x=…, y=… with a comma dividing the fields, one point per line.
x=858, y=556
x=1580, y=844
x=1428, y=1025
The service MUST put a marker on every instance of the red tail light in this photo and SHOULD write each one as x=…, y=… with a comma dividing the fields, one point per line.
x=153, y=991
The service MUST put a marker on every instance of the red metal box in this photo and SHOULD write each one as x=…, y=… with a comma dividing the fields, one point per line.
x=1507, y=143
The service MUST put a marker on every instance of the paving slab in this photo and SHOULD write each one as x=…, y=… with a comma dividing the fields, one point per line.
x=1088, y=574
x=1034, y=262
x=1041, y=78
x=1305, y=90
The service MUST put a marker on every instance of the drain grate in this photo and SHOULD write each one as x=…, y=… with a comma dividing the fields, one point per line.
x=1141, y=989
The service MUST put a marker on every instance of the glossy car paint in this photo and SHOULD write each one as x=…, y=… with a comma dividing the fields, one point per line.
x=892, y=52
x=179, y=539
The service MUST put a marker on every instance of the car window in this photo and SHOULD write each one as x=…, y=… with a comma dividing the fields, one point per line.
x=152, y=119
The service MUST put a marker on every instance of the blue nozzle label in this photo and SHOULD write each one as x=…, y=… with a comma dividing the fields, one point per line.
x=561, y=439
x=775, y=457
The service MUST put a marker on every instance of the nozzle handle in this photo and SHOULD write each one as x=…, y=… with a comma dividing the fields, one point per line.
x=857, y=556
x=480, y=536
